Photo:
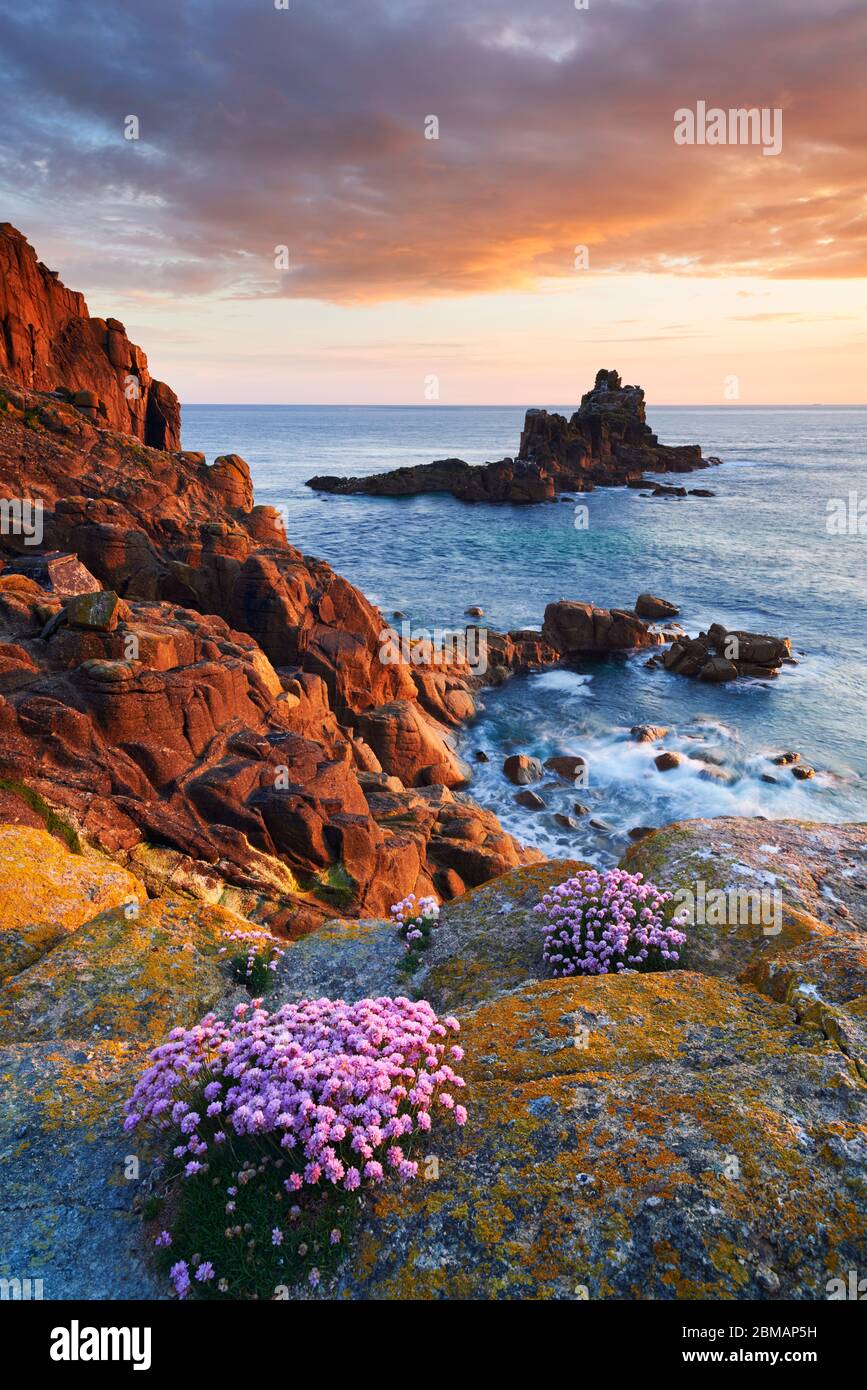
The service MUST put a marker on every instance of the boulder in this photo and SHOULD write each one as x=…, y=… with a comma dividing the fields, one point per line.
x=99, y=611
x=522, y=769
x=667, y=760
x=576, y=629
x=531, y=800
x=490, y=940
x=721, y=655
x=655, y=609
x=808, y=870
x=570, y=766
x=68, y=576
x=648, y=733
x=718, y=669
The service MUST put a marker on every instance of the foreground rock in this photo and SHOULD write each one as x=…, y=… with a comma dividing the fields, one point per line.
x=685, y=1135
x=702, y=1144
x=666, y=1136
x=490, y=941
x=77, y=1017
x=48, y=892
x=782, y=885
x=607, y=441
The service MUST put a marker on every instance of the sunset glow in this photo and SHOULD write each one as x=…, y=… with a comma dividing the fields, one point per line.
x=456, y=256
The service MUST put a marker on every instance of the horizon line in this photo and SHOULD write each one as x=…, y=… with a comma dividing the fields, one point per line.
x=511, y=405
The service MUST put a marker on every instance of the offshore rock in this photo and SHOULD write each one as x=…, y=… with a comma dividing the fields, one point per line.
x=607, y=442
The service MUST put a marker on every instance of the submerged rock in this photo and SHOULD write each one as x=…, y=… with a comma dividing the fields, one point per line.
x=531, y=800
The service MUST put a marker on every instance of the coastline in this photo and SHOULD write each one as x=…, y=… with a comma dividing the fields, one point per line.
x=212, y=784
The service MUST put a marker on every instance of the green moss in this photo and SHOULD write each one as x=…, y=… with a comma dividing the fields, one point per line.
x=53, y=822
x=335, y=886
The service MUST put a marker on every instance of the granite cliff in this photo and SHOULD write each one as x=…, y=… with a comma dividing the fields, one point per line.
x=49, y=342
x=184, y=688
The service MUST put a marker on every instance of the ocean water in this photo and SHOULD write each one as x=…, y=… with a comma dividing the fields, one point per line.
x=758, y=555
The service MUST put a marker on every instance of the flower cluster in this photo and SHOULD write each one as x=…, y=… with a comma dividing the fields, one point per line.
x=415, y=918
x=603, y=922
x=337, y=1087
x=258, y=955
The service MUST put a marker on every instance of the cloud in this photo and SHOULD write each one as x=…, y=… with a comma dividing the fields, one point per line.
x=305, y=127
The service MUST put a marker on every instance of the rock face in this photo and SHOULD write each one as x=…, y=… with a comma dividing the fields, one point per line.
x=193, y=696
x=577, y=629
x=49, y=342
x=169, y=741
x=606, y=441
x=721, y=655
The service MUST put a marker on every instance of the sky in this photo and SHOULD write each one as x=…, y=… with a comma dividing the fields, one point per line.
x=420, y=270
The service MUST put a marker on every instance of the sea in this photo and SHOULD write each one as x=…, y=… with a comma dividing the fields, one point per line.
x=778, y=550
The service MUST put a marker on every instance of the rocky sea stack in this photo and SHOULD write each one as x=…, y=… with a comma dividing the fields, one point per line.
x=606, y=442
